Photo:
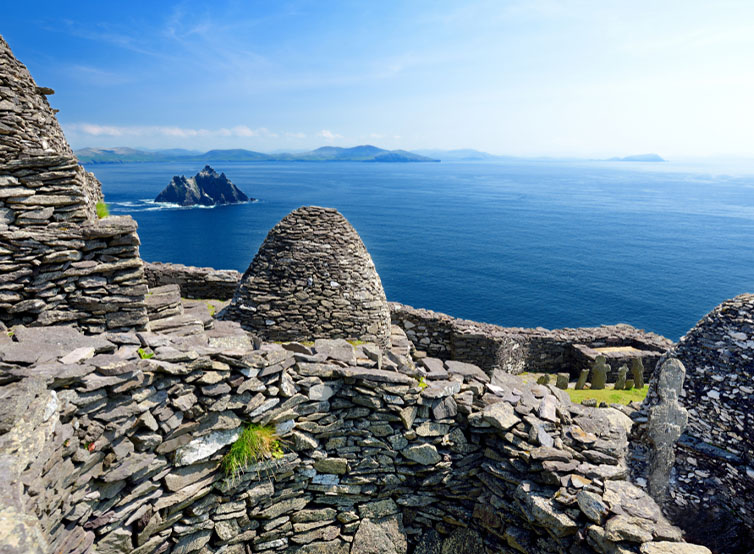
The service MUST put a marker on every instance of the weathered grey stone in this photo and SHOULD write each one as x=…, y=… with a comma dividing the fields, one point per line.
x=500, y=415
x=425, y=454
x=592, y=506
x=664, y=547
x=203, y=447
x=628, y=528
x=385, y=536
x=338, y=466
x=463, y=541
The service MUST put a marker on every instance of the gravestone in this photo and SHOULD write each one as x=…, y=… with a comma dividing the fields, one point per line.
x=582, y=379
x=544, y=380
x=637, y=371
x=562, y=381
x=629, y=384
x=599, y=373
x=620, y=382
x=667, y=421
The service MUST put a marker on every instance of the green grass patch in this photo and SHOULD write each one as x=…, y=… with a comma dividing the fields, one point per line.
x=353, y=342
x=144, y=355
x=256, y=443
x=609, y=396
x=422, y=383
x=102, y=210
x=212, y=309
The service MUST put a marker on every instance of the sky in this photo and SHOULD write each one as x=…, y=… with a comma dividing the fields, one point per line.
x=524, y=78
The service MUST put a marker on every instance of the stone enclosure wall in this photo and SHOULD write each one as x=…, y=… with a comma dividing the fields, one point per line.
x=515, y=349
x=195, y=282
x=58, y=263
x=102, y=449
x=312, y=278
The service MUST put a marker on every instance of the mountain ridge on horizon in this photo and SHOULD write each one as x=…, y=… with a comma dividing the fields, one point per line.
x=361, y=153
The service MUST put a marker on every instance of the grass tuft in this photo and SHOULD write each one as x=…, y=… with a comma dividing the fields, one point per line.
x=255, y=444
x=609, y=396
x=422, y=383
x=102, y=210
x=144, y=355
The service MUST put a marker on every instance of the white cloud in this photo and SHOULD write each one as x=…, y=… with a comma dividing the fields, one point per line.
x=296, y=135
x=329, y=135
x=97, y=130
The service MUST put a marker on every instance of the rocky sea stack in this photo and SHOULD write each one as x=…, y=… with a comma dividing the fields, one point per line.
x=206, y=188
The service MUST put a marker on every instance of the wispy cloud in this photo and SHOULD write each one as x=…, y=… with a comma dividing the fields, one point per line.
x=96, y=130
x=329, y=135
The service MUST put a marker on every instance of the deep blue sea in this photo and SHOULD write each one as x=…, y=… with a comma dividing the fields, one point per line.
x=535, y=243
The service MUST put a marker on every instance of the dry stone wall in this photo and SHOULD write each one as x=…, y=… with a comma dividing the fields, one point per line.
x=58, y=263
x=312, y=278
x=103, y=450
x=516, y=349
x=711, y=486
x=195, y=282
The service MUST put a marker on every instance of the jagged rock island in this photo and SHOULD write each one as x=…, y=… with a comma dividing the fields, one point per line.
x=128, y=414
x=206, y=188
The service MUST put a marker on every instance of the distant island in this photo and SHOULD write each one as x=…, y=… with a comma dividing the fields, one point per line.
x=638, y=158
x=364, y=153
x=206, y=188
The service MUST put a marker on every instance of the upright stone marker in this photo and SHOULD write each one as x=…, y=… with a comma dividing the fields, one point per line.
x=562, y=381
x=582, y=379
x=620, y=382
x=637, y=372
x=667, y=420
x=599, y=373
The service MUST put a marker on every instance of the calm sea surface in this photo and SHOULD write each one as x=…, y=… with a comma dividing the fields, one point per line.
x=551, y=244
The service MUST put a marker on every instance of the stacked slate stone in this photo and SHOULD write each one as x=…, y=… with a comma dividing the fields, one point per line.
x=114, y=443
x=58, y=263
x=195, y=282
x=711, y=488
x=516, y=349
x=312, y=278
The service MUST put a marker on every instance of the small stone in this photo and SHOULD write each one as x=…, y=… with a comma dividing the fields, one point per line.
x=338, y=466
x=425, y=454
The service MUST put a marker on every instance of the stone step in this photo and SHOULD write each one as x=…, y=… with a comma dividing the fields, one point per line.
x=164, y=301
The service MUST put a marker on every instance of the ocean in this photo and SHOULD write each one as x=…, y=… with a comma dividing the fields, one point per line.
x=520, y=243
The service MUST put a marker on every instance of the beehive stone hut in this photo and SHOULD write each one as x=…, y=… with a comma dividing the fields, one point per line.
x=711, y=487
x=58, y=262
x=312, y=278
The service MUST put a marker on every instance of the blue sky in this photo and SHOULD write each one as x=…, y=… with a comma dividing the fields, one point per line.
x=534, y=77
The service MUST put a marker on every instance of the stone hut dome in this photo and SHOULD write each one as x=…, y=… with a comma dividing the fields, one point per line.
x=312, y=278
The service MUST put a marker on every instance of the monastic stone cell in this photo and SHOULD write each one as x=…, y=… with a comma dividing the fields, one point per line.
x=58, y=262
x=711, y=488
x=312, y=278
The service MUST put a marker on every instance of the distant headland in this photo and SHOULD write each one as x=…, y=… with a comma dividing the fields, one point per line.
x=364, y=153
x=638, y=158
x=206, y=188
